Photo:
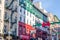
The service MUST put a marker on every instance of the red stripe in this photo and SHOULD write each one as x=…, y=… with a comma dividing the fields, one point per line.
x=45, y=24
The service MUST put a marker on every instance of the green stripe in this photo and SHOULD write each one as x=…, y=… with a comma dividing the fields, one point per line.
x=55, y=23
x=57, y=32
x=32, y=9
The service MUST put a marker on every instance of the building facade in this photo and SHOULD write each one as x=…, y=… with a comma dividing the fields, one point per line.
x=10, y=22
x=21, y=19
x=57, y=26
x=1, y=18
x=53, y=18
x=8, y=19
x=29, y=16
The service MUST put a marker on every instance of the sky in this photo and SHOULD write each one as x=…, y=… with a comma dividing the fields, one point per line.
x=52, y=6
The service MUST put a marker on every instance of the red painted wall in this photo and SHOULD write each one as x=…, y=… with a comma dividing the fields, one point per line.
x=24, y=29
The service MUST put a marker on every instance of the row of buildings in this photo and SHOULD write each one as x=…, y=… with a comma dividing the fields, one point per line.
x=22, y=19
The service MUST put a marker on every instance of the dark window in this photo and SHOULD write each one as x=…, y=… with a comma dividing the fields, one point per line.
x=15, y=19
x=14, y=31
x=21, y=9
x=16, y=8
x=27, y=21
x=6, y=15
x=45, y=18
x=5, y=29
x=30, y=22
x=24, y=20
x=20, y=18
x=33, y=18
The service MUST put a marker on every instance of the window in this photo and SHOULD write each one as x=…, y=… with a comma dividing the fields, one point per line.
x=21, y=9
x=27, y=21
x=14, y=31
x=33, y=18
x=16, y=8
x=24, y=30
x=20, y=29
x=20, y=18
x=6, y=15
x=24, y=19
x=45, y=18
x=15, y=19
x=30, y=22
x=0, y=1
x=5, y=29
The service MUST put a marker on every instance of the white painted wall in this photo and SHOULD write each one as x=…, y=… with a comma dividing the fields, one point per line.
x=2, y=16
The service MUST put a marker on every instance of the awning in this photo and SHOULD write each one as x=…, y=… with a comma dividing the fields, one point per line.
x=28, y=27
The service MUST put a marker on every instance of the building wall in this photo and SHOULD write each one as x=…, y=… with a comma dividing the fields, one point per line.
x=56, y=26
x=22, y=15
x=7, y=17
x=1, y=17
x=52, y=19
x=28, y=18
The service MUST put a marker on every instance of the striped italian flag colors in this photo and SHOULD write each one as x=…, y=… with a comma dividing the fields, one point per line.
x=42, y=23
